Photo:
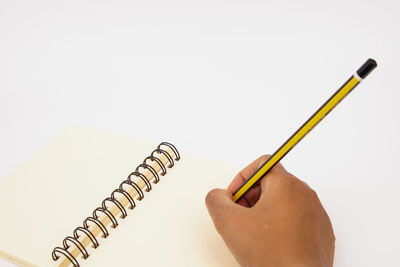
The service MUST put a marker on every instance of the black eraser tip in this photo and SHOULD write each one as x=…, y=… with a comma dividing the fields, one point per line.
x=366, y=68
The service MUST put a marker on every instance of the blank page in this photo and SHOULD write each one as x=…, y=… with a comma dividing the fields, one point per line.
x=51, y=194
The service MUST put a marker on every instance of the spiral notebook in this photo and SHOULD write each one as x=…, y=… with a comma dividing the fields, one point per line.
x=92, y=198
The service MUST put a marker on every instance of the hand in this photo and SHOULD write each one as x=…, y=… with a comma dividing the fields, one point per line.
x=279, y=222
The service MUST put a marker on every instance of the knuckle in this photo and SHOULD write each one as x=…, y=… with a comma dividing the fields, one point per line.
x=300, y=183
x=210, y=197
x=313, y=193
x=286, y=180
x=264, y=157
x=290, y=183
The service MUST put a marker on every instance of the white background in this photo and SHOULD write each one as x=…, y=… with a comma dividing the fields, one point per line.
x=227, y=79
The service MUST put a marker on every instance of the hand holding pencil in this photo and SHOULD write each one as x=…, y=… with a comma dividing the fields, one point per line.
x=279, y=222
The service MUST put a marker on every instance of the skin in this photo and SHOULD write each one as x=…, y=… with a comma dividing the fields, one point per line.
x=279, y=222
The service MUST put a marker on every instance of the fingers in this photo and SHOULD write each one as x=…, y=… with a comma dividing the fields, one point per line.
x=244, y=174
x=222, y=209
x=252, y=196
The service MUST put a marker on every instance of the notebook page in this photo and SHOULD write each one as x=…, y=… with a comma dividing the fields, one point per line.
x=171, y=226
x=55, y=190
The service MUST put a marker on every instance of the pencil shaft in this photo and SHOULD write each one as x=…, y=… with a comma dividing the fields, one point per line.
x=338, y=96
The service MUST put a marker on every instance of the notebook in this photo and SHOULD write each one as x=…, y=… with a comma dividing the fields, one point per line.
x=60, y=204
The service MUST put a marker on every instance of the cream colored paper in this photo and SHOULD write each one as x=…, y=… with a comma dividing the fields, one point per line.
x=54, y=191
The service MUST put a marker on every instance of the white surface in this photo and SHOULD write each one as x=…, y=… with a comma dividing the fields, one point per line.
x=227, y=79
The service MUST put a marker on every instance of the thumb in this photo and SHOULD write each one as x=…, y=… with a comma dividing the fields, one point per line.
x=221, y=208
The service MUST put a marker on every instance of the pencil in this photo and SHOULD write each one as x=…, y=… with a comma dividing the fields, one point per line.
x=338, y=96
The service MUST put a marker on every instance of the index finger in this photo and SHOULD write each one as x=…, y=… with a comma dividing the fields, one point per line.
x=252, y=196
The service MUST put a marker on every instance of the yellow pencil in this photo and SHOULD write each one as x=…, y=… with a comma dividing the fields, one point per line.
x=346, y=88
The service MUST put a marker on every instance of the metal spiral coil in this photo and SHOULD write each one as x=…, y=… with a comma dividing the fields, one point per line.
x=122, y=191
